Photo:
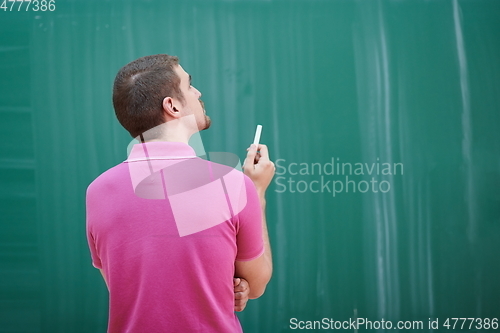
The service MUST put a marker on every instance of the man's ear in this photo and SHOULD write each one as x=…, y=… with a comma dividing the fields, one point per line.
x=172, y=107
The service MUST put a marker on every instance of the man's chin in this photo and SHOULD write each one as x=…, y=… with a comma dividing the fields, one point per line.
x=208, y=122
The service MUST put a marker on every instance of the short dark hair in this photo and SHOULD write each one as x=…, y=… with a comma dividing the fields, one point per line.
x=139, y=90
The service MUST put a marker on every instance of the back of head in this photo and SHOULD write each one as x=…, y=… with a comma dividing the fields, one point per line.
x=139, y=90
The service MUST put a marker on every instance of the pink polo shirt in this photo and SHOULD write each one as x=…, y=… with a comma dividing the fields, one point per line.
x=166, y=228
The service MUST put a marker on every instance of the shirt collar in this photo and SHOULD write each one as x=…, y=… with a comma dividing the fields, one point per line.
x=161, y=150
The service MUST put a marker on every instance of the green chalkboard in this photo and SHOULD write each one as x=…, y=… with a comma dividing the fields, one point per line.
x=383, y=118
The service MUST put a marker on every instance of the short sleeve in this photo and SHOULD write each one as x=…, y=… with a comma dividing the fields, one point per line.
x=249, y=235
x=90, y=207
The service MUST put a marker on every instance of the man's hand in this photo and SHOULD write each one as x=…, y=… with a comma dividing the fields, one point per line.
x=241, y=291
x=259, y=167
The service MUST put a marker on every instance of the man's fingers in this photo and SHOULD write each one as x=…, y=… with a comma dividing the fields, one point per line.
x=264, y=153
x=240, y=301
x=239, y=295
x=264, y=161
x=241, y=291
x=249, y=160
x=239, y=306
x=241, y=286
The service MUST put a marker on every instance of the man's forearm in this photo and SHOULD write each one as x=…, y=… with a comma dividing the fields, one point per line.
x=265, y=234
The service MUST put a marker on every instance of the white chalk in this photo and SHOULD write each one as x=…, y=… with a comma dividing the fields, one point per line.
x=256, y=140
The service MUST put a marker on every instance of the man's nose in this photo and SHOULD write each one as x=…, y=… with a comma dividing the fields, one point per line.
x=198, y=92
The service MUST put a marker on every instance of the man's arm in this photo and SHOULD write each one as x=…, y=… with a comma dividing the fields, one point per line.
x=258, y=272
x=241, y=291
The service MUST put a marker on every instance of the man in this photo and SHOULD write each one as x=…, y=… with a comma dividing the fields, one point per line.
x=168, y=230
